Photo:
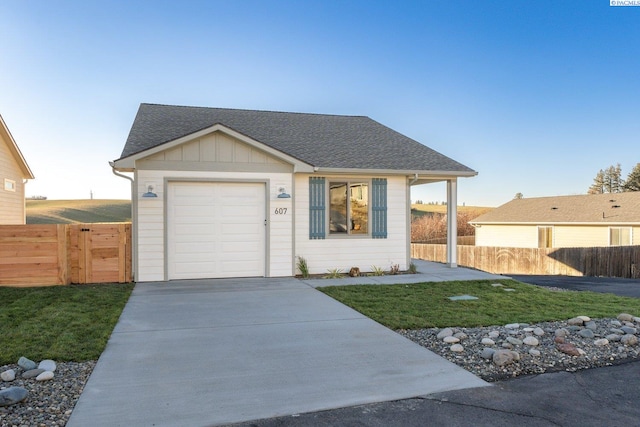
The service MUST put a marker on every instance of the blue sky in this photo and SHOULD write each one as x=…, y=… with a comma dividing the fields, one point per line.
x=535, y=96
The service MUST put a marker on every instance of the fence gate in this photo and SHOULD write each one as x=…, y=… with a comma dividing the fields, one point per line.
x=100, y=253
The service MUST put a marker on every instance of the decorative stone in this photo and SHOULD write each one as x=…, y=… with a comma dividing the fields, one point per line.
x=8, y=375
x=575, y=321
x=562, y=332
x=446, y=332
x=487, y=341
x=451, y=340
x=625, y=317
x=32, y=373
x=586, y=333
x=617, y=331
x=574, y=328
x=625, y=323
x=514, y=341
x=507, y=345
x=487, y=353
x=457, y=348
x=613, y=337
x=591, y=325
x=568, y=348
x=12, y=395
x=532, y=341
x=616, y=323
x=559, y=340
x=47, y=365
x=538, y=331
x=584, y=318
x=45, y=376
x=494, y=334
x=26, y=364
x=461, y=336
x=629, y=339
x=512, y=326
x=636, y=319
x=601, y=342
x=528, y=329
x=629, y=330
x=582, y=352
x=534, y=352
x=505, y=357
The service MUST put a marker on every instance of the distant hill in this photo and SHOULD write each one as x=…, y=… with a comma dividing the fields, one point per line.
x=77, y=211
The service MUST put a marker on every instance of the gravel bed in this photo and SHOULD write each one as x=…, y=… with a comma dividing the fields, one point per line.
x=49, y=403
x=549, y=359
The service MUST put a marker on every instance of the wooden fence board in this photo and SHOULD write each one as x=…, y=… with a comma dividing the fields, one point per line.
x=58, y=254
x=612, y=261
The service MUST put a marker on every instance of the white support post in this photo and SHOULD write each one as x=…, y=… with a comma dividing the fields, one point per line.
x=452, y=223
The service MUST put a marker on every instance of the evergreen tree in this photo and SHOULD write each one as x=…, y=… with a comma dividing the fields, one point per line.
x=633, y=180
x=519, y=196
x=598, y=184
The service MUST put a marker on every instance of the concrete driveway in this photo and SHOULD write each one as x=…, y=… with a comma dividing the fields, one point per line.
x=208, y=352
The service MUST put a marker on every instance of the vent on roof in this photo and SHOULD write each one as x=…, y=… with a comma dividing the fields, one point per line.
x=555, y=208
x=611, y=200
x=615, y=206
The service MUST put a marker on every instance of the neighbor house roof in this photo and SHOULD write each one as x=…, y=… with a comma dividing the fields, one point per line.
x=15, y=151
x=319, y=140
x=585, y=209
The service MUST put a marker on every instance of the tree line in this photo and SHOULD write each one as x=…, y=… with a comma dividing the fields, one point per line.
x=610, y=180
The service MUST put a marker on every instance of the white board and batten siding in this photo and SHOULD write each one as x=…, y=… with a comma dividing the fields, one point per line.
x=344, y=252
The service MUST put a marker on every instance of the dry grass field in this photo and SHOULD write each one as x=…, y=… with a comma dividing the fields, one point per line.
x=77, y=211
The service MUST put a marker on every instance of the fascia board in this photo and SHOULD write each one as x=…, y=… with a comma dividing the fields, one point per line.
x=425, y=175
x=15, y=151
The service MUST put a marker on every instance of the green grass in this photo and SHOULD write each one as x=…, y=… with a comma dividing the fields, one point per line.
x=426, y=305
x=63, y=323
x=77, y=211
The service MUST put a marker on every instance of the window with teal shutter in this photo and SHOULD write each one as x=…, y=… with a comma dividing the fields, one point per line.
x=317, y=208
x=379, y=208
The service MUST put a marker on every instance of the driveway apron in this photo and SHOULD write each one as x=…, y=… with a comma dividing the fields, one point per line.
x=211, y=352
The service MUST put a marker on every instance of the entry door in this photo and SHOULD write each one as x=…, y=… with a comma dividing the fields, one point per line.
x=215, y=230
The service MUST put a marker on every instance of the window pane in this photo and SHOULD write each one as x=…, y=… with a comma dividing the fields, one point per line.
x=338, y=207
x=625, y=236
x=359, y=208
x=545, y=237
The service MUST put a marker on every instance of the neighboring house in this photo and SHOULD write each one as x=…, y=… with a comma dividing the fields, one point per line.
x=238, y=193
x=14, y=171
x=611, y=219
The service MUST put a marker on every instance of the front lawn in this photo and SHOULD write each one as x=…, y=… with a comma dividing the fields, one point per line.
x=63, y=323
x=426, y=305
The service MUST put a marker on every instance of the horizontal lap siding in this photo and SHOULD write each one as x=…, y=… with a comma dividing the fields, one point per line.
x=151, y=220
x=515, y=236
x=347, y=252
x=12, y=210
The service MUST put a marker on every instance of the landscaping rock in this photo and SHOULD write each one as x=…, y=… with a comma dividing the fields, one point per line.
x=625, y=317
x=487, y=353
x=8, y=375
x=446, y=332
x=613, y=337
x=12, y=395
x=601, y=342
x=451, y=339
x=629, y=339
x=586, y=333
x=45, y=376
x=532, y=341
x=575, y=321
x=562, y=332
x=457, y=348
x=27, y=364
x=629, y=330
x=494, y=334
x=505, y=357
x=460, y=335
x=514, y=341
x=591, y=325
x=512, y=326
x=47, y=365
x=487, y=341
x=32, y=373
x=535, y=352
x=568, y=348
x=538, y=331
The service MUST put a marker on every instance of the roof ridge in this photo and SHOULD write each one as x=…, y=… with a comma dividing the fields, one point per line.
x=253, y=110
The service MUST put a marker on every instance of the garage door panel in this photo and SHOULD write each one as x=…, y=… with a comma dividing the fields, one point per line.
x=216, y=230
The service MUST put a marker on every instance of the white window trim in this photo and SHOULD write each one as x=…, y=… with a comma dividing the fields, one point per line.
x=9, y=185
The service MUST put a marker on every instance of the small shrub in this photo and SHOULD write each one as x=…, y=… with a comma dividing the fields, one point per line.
x=377, y=271
x=334, y=273
x=413, y=269
x=303, y=267
x=394, y=269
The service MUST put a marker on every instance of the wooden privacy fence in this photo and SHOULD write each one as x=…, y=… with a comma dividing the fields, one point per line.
x=612, y=261
x=61, y=254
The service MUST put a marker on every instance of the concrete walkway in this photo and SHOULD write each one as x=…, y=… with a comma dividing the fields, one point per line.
x=210, y=352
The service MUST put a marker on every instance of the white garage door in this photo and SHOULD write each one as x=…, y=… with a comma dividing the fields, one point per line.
x=215, y=230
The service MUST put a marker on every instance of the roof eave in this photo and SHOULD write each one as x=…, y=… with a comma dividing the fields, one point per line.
x=15, y=151
x=553, y=223
x=423, y=175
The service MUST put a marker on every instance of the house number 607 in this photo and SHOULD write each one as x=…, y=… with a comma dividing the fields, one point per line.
x=280, y=211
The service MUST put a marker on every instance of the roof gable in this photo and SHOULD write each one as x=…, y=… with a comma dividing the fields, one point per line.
x=612, y=208
x=6, y=136
x=319, y=140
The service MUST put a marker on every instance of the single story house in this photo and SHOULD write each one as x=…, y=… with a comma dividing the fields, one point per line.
x=611, y=219
x=238, y=193
x=14, y=172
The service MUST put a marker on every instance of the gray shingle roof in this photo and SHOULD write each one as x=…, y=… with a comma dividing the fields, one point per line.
x=600, y=208
x=328, y=141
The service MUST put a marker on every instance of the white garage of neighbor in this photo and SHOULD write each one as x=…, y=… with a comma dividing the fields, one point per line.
x=220, y=193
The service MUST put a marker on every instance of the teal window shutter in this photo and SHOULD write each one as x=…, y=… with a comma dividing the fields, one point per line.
x=379, y=208
x=317, y=208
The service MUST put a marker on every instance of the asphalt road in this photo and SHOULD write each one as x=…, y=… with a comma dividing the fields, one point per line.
x=622, y=287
